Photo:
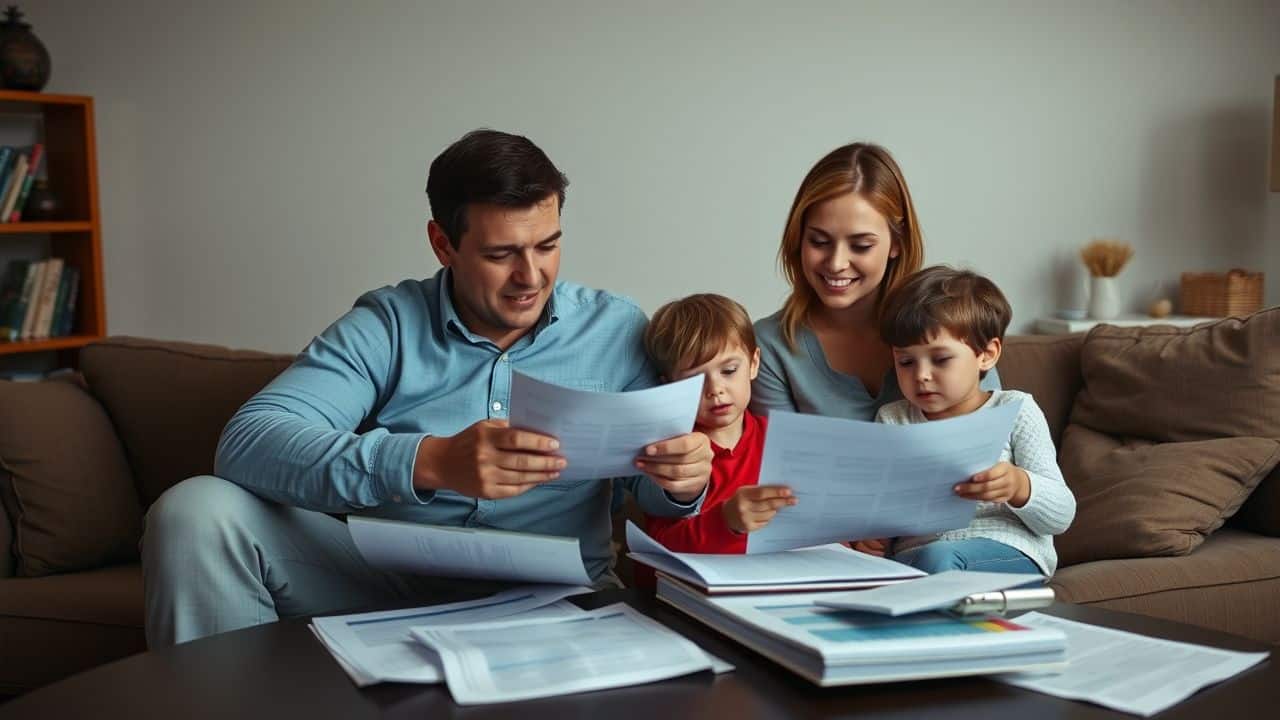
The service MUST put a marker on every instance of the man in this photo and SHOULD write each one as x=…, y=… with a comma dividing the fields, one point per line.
x=398, y=410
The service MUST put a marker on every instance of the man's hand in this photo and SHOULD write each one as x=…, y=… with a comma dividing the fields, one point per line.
x=877, y=547
x=1003, y=483
x=681, y=465
x=752, y=507
x=488, y=460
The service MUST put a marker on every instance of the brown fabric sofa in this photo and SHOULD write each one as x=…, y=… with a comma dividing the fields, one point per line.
x=167, y=403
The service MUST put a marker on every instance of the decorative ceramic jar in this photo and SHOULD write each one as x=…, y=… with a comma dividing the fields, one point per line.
x=24, y=61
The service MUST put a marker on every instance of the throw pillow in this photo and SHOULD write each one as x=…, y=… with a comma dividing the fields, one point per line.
x=1170, y=384
x=64, y=480
x=169, y=401
x=1142, y=499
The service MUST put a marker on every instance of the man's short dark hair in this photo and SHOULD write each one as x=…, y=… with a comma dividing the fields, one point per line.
x=966, y=304
x=488, y=166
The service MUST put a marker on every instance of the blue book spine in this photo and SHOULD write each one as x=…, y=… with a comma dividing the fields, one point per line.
x=67, y=322
x=7, y=157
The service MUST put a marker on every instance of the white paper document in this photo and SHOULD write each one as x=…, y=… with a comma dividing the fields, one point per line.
x=602, y=433
x=474, y=553
x=933, y=592
x=858, y=480
x=1129, y=672
x=609, y=647
x=378, y=647
x=825, y=567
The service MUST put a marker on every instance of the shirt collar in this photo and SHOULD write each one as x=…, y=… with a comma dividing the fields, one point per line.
x=750, y=426
x=449, y=313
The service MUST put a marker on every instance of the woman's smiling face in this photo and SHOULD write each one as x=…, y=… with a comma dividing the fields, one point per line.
x=845, y=250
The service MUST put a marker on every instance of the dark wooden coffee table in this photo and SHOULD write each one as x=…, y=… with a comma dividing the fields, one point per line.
x=281, y=670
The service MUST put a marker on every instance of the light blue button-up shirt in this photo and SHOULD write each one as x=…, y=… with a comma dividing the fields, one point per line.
x=338, y=431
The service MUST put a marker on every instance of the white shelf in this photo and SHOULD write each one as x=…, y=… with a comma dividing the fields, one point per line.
x=1058, y=326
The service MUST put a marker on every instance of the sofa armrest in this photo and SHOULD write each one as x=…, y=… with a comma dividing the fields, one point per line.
x=6, y=538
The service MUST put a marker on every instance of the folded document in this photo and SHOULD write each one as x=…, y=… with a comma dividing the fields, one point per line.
x=941, y=591
x=474, y=553
x=828, y=567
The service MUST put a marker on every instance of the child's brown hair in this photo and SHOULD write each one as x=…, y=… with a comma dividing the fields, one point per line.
x=691, y=331
x=966, y=304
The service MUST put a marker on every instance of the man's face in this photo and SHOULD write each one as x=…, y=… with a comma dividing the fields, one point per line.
x=504, y=268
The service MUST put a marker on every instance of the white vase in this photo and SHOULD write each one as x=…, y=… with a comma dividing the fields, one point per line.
x=1104, y=299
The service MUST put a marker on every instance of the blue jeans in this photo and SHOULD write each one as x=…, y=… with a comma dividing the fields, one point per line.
x=978, y=554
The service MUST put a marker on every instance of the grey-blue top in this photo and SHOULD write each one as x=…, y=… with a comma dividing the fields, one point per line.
x=803, y=381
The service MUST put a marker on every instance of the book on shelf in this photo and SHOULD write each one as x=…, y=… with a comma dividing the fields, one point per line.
x=47, y=298
x=825, y=567
x=11, y=194
x=37, y=156
x=15, y=277
x=829, y=646
x=38, y=299
x=31, y=297
x=66, y=321
x=7, y=158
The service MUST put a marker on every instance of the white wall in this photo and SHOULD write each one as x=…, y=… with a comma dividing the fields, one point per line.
x=264, y=163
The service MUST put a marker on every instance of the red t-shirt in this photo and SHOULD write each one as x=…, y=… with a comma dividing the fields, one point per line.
x=731, y=468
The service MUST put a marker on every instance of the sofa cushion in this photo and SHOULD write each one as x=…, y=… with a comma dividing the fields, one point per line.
x=1172, y=384
x=1047, y=367
x=110, y=595
x=169, y=401
x=1143, y=499
x=55, y=626
x=66, y=484
x=1229, y=583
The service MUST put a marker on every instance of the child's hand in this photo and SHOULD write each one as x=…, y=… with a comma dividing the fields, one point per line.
x=1003, y=483
x=877, y=547
x=752, y=507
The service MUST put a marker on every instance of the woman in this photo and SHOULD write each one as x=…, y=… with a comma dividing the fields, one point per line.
x=851, y=237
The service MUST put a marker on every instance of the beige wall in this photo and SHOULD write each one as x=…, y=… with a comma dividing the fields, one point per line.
x=264, y=163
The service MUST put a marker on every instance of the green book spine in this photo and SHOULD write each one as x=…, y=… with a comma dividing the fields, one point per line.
x=60, y=302
x=15, y=278
x=69, y=313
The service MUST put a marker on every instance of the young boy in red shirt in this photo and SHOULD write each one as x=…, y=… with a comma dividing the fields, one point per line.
x=711, y=335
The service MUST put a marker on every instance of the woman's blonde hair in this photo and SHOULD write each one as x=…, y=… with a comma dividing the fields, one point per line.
x=870, y=171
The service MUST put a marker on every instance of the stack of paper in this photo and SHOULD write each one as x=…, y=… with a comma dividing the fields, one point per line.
x=379, y=647
x=828, y=567
x=610, y=647
x=844, y=647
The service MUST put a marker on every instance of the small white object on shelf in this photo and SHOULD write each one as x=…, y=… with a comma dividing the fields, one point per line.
x=1059, y=326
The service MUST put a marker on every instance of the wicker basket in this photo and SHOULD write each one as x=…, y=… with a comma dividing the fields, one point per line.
x=1221, y=294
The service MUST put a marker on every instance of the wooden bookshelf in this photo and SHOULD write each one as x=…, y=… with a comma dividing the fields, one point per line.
x=71, y=164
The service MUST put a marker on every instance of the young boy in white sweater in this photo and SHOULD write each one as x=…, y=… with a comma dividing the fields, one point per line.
x=946, y=328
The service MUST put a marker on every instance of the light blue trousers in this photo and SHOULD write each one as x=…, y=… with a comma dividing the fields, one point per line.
x=978, y=554
x=216, y=557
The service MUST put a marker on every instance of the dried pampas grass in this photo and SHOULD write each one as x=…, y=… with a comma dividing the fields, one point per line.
x=1106, y=257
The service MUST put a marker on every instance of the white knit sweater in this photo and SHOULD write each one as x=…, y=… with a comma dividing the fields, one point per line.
x=1051, y=507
